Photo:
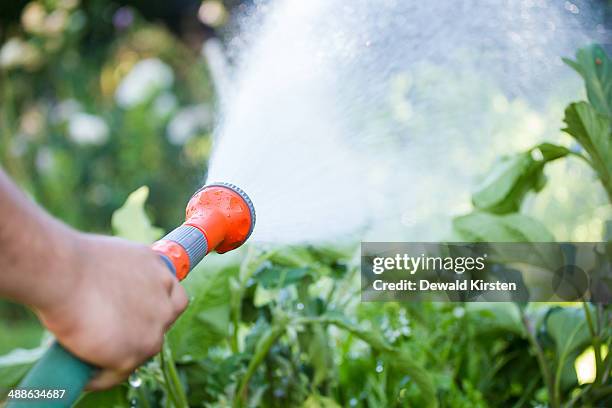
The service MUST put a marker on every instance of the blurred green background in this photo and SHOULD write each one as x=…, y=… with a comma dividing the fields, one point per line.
x=78, y=131
x=100, y=98
x=97, y=99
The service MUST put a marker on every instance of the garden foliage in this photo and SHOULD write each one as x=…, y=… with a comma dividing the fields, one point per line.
x=284, y=326
x=86, y=120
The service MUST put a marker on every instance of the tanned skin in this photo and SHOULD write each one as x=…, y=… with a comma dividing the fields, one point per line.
x=107, y=300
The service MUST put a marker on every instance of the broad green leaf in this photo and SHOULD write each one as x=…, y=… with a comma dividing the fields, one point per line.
x=569, y=331
x=532, y=230
x=116, y=397
x=512, y=177
x=494, y=192
x=552, y=151
x=592, y=131
x=271, y=276
x=595, y=67
x=568, y=328
x=206, y=320
x=496, y=316
x=131, y=221
x=568, y=377
x=520, y=228
x=484, y=227
x=296, y=256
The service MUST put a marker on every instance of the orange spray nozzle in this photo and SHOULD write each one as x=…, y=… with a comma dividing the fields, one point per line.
x=219, y=217
x=224, y=213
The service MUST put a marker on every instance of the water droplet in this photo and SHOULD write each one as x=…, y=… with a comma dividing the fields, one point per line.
x=379, y=367
x=353, y=402
x=135, y=380
x=300, y=306
x=458, y=312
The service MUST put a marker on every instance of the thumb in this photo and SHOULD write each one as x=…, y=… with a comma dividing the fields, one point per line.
x=106, y=379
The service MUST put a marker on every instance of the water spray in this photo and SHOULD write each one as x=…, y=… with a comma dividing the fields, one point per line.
x=220, y=217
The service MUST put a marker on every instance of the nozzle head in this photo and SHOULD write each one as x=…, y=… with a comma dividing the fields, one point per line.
x=224, y=213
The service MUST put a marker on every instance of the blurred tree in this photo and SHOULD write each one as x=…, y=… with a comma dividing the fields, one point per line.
x=96, y=101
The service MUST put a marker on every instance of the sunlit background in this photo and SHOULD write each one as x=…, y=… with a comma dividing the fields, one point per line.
x=98, y=98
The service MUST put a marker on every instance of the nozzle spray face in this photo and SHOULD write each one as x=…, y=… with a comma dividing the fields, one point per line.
x=224, y=213
x=219, y=217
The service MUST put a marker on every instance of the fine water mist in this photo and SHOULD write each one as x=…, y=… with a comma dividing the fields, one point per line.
x=373, y=119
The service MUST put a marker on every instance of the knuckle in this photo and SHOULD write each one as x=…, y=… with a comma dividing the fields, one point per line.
x=181, y=303
x=128, y=364
x=156, y=346
x=167, y=308
x=166, y=280
x=153, y=346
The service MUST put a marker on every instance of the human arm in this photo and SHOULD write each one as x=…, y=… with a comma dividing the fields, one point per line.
x=108, y=301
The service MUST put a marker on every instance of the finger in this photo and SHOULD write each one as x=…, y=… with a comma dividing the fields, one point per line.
x=179, y=298
x=167, y=279
x=177, y=302
x=106, y=379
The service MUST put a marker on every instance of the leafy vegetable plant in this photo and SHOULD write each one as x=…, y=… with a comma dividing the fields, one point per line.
x=284, y=326
x=496, y=218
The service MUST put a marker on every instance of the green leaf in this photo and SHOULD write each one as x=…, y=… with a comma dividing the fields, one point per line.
x=491, y=317
x=552, y=151
x=116, y=397
x=512, y=177
x=320, y=355
x=269, y=336
x=493, y=194
x=372, y=337
x=595, y=67
x=520, y=228
x=405, y=362
x=402, y=360
x=271, y=276
x=206, y=321
x=293, y=256
x=484, y=227
x=569, y=331
x=592, y=131
x=15, y=365
x=131, y=221
x=568, y=328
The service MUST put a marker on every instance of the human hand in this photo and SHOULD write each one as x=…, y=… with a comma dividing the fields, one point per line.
x=109, y=303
